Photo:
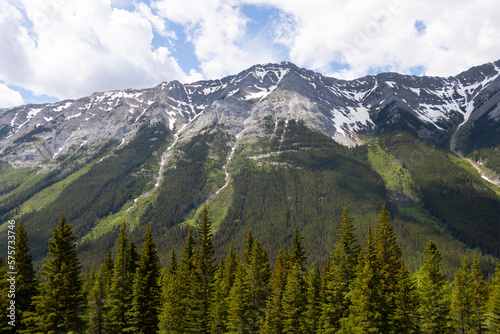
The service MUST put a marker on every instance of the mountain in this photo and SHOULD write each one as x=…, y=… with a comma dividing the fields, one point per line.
x=272, y=148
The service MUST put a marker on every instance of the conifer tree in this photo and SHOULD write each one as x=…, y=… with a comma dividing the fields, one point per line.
x=258, y=276
x=314, y=295
x=295, y=294
x=26, y=280
x=433, y=290
x=273, y=323
x=247, y=251
x=295, y=301
x=462, y=300
x=119, y=300
x=297, y=255
x=364, y=311
x=59, y=306
x=132, y=257
x=480, y=291
x=203, y=274
x=146, y=289
x=173, y=265
x=341, y=275
x=493, y=304
x=231, y=267
x=5, y=301
x=176, y=287
x=240, y=304
x=96, y=311
x=405, y=318
x=219, y=303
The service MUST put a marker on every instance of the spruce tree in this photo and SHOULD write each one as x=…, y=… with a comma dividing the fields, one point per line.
x=5, y=301
x=480, y=291
x=146, y=289
x=493, y=304
x=175, y=313
x=59, y=306
x=297, y=255
x=232, y=262
x=26, y=280
x=247, y=251
x=462, y=300
x=295, y=294
x=314, y=295
x=240, y=304
x=434, y=308
x=258, y=275
x=96, y=311
x=341, y=275
x=173, y=265
x=119, y=300
x=364, y=312
x=295, y=301
x=219, y=303
x=204, y=270
x=273, y=323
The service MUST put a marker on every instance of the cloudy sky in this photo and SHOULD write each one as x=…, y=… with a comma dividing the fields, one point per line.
x=53, y=50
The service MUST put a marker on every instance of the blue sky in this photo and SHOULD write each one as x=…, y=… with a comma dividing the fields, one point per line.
x=66, y=49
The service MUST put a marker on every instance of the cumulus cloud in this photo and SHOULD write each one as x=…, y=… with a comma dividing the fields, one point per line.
x=368, y=36
x=218, y=31
x=69, y=49
x=9, y=97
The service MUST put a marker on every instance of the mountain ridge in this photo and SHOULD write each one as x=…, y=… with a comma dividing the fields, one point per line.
x=272, y=148
x=341, y=109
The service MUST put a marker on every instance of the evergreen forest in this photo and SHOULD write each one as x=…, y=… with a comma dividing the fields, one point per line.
x=358, y=288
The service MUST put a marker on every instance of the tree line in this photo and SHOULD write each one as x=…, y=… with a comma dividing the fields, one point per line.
x=356, y=290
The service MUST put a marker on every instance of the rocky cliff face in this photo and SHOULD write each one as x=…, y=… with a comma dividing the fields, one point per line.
x=432, y=107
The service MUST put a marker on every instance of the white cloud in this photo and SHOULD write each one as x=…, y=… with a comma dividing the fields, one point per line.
x=9, y=97
x=217, y=29
x=375, y=34
x=69, y=49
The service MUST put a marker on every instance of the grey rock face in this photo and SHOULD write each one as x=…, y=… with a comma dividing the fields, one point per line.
x=35, y=135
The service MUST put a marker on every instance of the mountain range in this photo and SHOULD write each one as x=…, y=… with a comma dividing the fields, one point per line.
x=273, y=148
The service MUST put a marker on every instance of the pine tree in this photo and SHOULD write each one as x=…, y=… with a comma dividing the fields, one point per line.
x=314, y=295
x=341, y=275
x=433, y=290
x=204, y=270
x=462, y=300
x=480, y=291
x=96, y=311
x=119, y=300
x=26, y=280
x=219, y=303
x=146, y=289
x=240, y=304
x=60, y=304
x=493, y=304
x=273, y=323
